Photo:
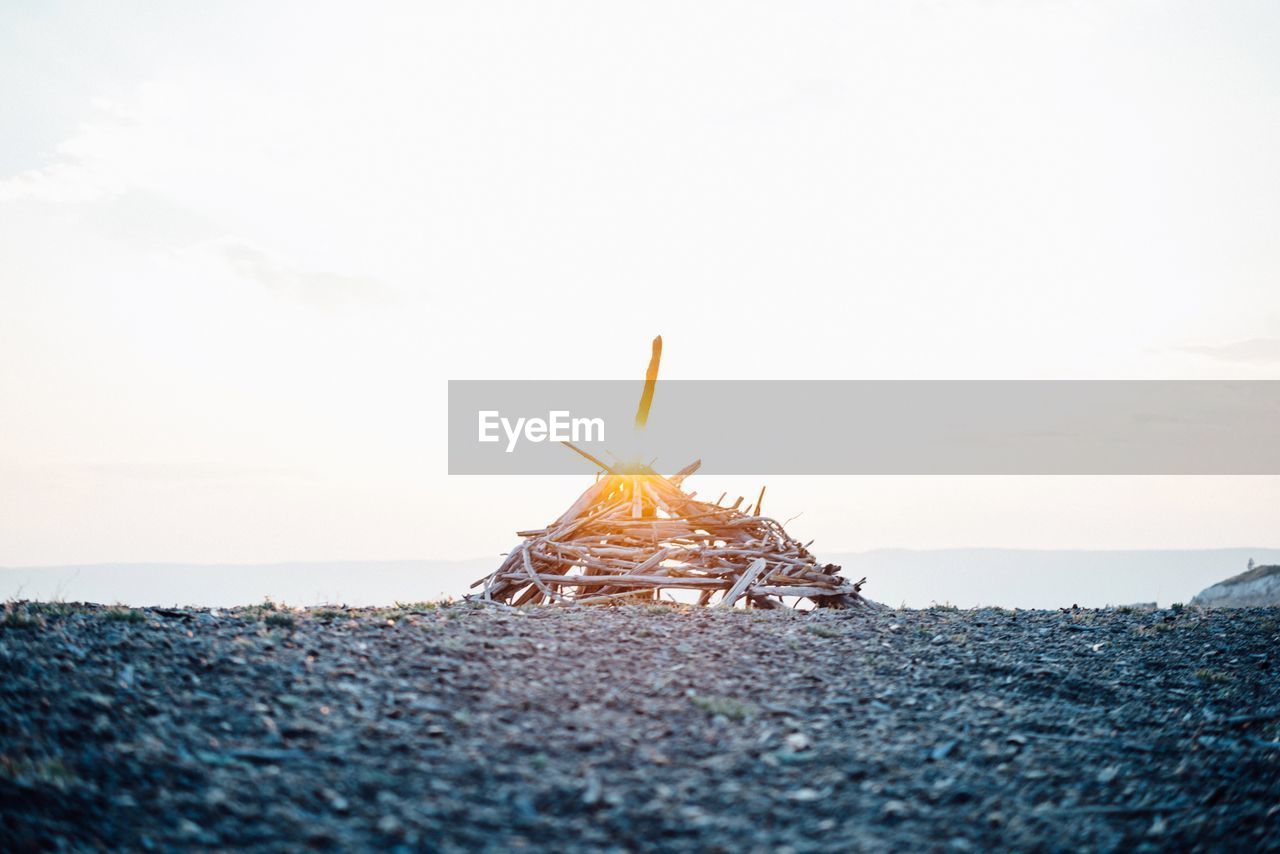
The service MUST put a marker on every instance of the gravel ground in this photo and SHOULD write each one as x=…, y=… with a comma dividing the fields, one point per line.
x=460, y=727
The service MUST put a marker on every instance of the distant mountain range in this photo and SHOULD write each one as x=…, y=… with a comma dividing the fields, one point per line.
x=1022, y=578
x=374, y=582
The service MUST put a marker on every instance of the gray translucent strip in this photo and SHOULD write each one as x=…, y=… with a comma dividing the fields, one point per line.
x=807, y=427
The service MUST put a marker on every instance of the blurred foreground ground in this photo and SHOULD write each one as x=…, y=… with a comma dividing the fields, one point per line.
x=459, y=727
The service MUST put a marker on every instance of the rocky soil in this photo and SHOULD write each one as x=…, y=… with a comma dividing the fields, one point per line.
x=461, y=727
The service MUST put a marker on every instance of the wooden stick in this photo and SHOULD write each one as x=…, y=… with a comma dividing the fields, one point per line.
x=528, y=568
x=678, y=478
x=650, y=382
x=578, y=450
x=744, y=581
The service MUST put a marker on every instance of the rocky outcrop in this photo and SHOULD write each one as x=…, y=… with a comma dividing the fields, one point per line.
x=1259, y=587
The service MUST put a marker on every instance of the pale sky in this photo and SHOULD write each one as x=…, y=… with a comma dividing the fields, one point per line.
x=243, y=246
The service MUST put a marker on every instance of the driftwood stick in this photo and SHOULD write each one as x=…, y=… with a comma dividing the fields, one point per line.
x=744, y=581
x=597, y=462
x=528, y=568
x=637, y=581
x=650, y=382
x=657, y=558
x=804, y=592
x=678, y=477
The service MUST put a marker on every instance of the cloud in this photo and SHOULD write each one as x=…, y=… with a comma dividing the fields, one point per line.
x=178, y=471
x=168, y=471
x=86, y=166
x=153, y=174
x=1254, y=351
x=311, y=286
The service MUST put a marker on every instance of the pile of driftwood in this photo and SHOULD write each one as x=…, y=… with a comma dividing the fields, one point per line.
x=635, y=534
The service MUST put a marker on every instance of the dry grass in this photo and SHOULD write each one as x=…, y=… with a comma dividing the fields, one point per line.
x=728, y=707
x=280, y=620
x=120, y=614
x=1211, y=676
x=18, y=615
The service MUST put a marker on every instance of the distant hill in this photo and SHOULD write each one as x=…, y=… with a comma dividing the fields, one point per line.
x=374, y=582
x=1021, y=578
x=1259, y=587
x=1029, y=578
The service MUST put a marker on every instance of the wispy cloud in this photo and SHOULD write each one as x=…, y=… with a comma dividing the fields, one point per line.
x=158, y=470
x=181, y=471
x=311, y=286
x=1254, y=351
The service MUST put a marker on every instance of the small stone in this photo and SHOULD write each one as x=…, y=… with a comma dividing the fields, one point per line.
x=389, y=825
x=594, y=792
x=805, y=795
x=524, y=806
x=97, y=701
x=337, y=803
x=942, y=751
x=1106, y=775
x=797, y=741
x=893, y=809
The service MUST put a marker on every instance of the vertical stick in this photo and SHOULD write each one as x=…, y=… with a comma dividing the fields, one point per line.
x=650, y=380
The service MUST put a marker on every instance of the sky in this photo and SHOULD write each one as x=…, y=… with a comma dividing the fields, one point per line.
x=243, y=247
